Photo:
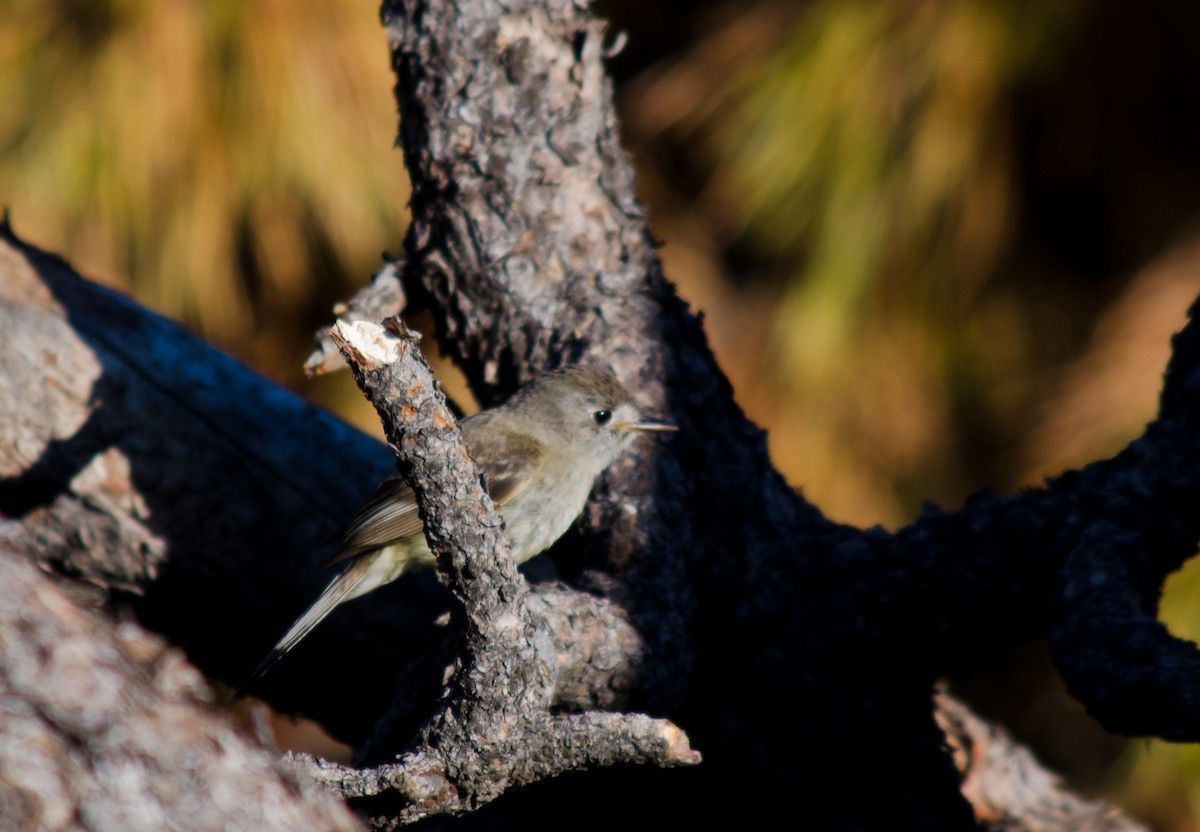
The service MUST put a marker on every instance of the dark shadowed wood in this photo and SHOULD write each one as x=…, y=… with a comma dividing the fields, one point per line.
x=147, y=464
x=798, y=654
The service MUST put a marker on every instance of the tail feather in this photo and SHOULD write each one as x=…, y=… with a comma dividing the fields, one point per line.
x=341, y=588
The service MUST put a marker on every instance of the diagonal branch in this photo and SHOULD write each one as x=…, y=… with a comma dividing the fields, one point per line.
x=494, y=729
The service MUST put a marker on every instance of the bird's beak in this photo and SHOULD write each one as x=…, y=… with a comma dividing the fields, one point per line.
x=649, y=426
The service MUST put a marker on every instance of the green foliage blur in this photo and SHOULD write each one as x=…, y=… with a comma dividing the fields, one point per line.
x=231, y=164
x=940, y=244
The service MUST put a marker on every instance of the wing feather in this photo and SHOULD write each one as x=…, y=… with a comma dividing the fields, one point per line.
x=508, y=459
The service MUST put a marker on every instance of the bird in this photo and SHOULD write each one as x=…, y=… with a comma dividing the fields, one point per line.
x=540, y=453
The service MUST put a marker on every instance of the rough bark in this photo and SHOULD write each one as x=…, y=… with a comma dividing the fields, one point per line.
x=528, y=236
x=496, y=726
x=799, y=655
x=578, y=623
x=138, y=402
x=104, y=726
x=1009, y=788
x=148, y=465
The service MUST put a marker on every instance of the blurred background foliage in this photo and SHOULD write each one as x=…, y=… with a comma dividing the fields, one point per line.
x=940, y=244
x=229, y=163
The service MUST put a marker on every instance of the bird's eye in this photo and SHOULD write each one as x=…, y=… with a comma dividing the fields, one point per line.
x=602, y=417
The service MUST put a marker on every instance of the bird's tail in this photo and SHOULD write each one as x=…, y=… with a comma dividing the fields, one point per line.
x=341, y=588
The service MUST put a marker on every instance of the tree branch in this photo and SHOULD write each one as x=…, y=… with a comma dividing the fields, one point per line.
x=103, y=726
x=798, y=653
x=163, y=475
x=535, y=256
x=383, y=297
x=1009, y=788
x=494, y=728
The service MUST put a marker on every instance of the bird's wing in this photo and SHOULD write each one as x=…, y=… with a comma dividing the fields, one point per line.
x=508, y=460
x=390, y=514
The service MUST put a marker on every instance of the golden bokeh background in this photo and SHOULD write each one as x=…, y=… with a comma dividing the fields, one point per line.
x=940, y=244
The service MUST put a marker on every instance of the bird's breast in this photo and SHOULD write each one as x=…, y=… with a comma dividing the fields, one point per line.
x=543, y=511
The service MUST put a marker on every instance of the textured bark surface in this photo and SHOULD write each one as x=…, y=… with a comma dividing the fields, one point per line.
x=580, y=625
x=798, y=655
x=495, y=727
x=1010, y=789
x=70, y=346
x=104, y=727
x=159, y=471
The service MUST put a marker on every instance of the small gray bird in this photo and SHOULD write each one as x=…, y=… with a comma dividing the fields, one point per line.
x=539, y=453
